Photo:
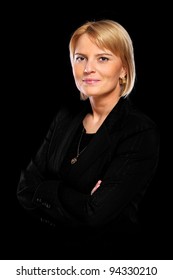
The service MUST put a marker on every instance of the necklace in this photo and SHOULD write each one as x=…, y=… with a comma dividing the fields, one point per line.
x=74, y=160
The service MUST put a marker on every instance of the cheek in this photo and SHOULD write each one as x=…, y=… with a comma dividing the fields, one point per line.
x=115, y=74
x=77, y=77
x=77, y=71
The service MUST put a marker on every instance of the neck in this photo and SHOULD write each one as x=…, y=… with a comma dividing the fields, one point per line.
x=101, y=107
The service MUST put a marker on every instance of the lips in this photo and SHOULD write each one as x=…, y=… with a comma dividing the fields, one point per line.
x=90, y=81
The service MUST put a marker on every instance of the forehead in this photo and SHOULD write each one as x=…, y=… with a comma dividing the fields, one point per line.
x=85, y=44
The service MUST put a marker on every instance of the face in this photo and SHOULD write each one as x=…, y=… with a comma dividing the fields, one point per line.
x=96, y=71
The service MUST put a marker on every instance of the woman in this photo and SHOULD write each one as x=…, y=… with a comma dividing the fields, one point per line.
x=95, y=163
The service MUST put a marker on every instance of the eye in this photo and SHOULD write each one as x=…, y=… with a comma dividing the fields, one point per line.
x=103, y=58
x=79, y=58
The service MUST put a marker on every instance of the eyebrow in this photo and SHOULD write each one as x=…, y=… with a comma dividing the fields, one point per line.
x=100, y=54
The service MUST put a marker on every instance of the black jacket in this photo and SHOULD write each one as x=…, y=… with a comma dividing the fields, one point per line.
x=123, y=153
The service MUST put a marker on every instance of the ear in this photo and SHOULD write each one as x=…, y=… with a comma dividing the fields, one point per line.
x=123, y=72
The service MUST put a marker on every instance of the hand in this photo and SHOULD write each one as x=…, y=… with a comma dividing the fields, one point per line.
x=96, y=186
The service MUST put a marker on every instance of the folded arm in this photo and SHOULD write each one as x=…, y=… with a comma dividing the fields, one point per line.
x=128, y=174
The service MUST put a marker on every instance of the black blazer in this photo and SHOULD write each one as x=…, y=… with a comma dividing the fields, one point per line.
x=123, y=153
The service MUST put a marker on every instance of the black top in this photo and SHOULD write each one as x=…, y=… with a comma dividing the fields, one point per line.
x=72, y=151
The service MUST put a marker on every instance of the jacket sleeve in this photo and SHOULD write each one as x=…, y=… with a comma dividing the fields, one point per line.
x=36, y=192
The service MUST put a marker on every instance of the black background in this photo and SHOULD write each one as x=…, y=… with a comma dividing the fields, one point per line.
x=39, y=80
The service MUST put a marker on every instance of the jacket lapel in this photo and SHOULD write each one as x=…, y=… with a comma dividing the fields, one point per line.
x=63, y=138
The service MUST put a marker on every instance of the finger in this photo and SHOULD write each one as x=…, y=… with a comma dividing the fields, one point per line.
x=96, y=186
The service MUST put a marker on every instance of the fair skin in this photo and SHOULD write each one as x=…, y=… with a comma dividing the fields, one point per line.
x=96, y=73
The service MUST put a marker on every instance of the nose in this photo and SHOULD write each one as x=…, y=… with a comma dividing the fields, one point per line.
x=89, y=68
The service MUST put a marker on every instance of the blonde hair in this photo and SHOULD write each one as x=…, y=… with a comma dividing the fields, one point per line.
x=110, y=35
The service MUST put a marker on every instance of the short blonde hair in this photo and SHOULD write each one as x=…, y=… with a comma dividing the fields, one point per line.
x=110, y=35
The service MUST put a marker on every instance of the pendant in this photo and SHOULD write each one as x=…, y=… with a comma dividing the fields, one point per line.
x=74, y=160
